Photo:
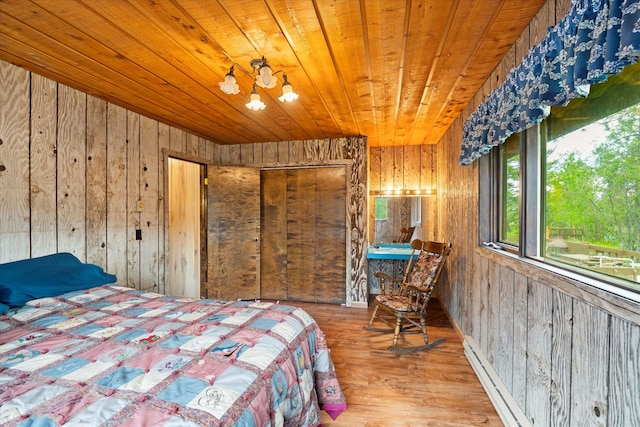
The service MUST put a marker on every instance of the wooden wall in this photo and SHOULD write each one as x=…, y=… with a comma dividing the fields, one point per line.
x=408, y=167
x=73, y=168
x=568, y=353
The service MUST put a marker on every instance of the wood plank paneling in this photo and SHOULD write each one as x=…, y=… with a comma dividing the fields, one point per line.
x=493, y=313
x=412, y=163
x=504, y=365
x=481, y=321
x=624, y=367
x=14, y=163
x=88, y=162
x=589, y=366
x=273, y=230
x=520, y=332
x=117, y=193
x=246, y=154
x=202, y=148
x=331, y=235
x=150, y=194
x=71, y=170
x=44, y=230
x=539, y=341
x=211, y=151
x=269, y=152
x=192, y=144
x=163, y=220
x=301, y=241
x=133, y=195
x=283, y=153
x=560, y=391
x=177, y=140
x=96, y=181
x=296, y=152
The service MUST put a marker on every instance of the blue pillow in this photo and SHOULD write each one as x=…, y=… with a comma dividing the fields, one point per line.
x=3, y=308
x=47, y=276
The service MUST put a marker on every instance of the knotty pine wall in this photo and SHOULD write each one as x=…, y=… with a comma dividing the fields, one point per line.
x=73, y=168
x=568, y=353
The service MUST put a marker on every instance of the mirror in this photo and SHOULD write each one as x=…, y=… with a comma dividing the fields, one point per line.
x=392, y=213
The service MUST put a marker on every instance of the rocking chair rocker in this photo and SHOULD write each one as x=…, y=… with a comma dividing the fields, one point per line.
x=402, y=305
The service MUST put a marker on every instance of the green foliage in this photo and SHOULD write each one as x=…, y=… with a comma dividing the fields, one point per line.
x=601, y=194
x=511, y=223
x=380, y=208
x=618, y=166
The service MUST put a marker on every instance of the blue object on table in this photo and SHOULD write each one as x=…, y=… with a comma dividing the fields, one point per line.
x=389, y=251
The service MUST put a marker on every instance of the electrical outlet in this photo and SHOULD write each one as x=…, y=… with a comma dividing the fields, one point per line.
x=140, y=206
x=138, y=234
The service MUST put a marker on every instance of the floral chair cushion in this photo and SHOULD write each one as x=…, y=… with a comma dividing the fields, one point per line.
x=394, y=302
x=424, y=269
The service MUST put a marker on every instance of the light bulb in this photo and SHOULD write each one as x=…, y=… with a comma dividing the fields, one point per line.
x=287, y=93
x=229, y=85
x=255, y=104
x=266, y=79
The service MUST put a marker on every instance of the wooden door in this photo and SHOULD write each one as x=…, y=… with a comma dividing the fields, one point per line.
x=273, y=237
x=233, y=233
x=304, y=234
x=184, y=228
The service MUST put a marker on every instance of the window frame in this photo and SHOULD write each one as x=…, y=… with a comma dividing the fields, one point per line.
x=489, y=198
x=501, y=186
x=532, y=181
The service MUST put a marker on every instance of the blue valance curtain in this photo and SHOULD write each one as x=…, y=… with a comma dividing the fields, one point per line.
x=596, y=38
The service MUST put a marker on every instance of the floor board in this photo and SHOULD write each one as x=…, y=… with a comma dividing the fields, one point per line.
x=433, y=388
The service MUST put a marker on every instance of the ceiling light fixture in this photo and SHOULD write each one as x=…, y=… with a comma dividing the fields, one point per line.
x=255, y=104
x=265, y=77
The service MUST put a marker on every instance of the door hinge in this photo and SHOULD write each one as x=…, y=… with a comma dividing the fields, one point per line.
x=206, y=181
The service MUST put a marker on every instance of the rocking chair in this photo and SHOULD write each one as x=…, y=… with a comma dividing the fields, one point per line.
x=405, y=234
x=402, y=305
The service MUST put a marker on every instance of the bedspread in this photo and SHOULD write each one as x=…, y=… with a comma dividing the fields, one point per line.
x=115, y=356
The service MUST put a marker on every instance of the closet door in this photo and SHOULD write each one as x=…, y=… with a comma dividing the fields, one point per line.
x=233, y=233
x=304, y=234
x=273, y=235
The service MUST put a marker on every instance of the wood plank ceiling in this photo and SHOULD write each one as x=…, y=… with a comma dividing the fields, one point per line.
x=397, y=71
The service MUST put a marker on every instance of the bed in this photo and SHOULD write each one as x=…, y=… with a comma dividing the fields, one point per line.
x=77, y=352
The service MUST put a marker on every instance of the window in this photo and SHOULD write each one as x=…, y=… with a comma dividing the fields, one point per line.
x=575, y=201
x=381, y=210
x=416, y=211
x=509, y=193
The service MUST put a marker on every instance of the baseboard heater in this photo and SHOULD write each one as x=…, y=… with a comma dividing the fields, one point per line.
x=507, y=408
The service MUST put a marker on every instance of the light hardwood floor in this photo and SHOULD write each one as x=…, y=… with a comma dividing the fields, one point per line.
x=433, y=388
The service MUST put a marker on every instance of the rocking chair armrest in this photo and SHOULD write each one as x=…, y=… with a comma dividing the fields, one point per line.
x=396, y=284
x=385, y=276
x=426, y=288
x=413, y=289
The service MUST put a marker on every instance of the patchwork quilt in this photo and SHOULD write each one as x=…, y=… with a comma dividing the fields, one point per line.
x=115, y=356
